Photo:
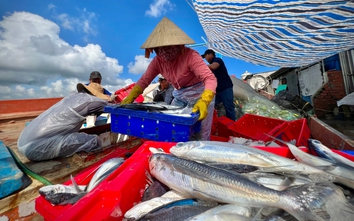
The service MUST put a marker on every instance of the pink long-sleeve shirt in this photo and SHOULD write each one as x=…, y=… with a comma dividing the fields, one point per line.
x=186, y=70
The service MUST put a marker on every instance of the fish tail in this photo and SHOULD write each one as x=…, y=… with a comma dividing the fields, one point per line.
x=75, y=184
x=313, y=201
x=149, y=178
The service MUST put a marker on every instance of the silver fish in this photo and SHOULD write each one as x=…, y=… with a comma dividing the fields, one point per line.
x=325, y=152
x=143, y=208
x=275, y=181
x=343, y=175
x=279, y=215
x=153, y=107
x=305, y=202
x=224, y=213
x=104, y=170
x=176, y=213
x=223, y=152
x=60, y=194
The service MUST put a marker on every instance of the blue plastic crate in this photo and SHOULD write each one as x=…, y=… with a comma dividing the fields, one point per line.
x=152, y=125
x=351, y=152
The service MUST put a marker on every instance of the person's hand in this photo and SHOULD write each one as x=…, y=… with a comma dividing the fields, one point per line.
x=113, y=98
x=134, y=93
x=203, y=103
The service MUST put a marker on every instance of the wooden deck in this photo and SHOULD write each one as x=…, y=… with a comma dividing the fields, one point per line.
x=21, y=206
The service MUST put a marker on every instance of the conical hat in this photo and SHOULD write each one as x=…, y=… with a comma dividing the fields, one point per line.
x=94, y=89
x=167, y=33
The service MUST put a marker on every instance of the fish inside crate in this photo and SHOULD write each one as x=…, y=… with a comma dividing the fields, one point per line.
x=123, y=192
x=120, y=193
x=56, y=212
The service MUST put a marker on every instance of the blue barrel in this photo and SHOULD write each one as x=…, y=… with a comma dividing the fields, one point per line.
x=12, y=178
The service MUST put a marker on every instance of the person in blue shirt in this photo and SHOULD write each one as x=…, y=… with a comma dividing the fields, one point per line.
x=96, y=77
x=224, y=89
x=163, y=92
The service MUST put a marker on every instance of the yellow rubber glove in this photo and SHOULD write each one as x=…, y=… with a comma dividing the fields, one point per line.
x=203, y=103
x=134, y=93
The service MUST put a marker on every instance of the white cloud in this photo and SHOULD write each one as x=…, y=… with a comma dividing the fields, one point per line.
x=83, y=23
x=121, y=82
x=5, y=90
x=159, y=7
x=20, y=88
x=31, y=92
x=140, y=65
x=57, y=86
x=51, y=6
x=33, y=55
x=66, y=21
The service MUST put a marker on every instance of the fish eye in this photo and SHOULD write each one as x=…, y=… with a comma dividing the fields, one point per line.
x=179, y=144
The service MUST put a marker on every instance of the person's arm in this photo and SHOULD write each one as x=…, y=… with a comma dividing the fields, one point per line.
x=149, y=75
x=154, y=92
x=213, y=66
x=202, y=71
x=168, y=95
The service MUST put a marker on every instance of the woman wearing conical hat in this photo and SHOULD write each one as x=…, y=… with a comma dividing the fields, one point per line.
x=184, y=68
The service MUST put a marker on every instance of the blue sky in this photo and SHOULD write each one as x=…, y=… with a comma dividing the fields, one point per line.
x=47, y=47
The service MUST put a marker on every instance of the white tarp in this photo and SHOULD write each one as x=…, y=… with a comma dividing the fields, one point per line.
x=347, y=100
x=286, y=33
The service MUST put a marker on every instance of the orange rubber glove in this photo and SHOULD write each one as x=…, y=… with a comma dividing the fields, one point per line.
x=134, y=93
x=203, y=103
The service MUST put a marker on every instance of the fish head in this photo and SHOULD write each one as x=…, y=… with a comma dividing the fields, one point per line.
x=157, y=162
x=156, y=150
x=51, y=190
x=181, y=148
x=313, y=144
x=154, y=161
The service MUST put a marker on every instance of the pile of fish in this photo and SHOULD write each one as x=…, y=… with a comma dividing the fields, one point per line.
x=159, y=107
x=60, y=194
x=251, y=102
x=264, y=107
x=210, y=180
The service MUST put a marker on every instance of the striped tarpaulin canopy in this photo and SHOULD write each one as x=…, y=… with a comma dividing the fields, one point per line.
x=282, y=33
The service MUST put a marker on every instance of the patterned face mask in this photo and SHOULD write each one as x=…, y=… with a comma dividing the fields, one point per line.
x=168, y=53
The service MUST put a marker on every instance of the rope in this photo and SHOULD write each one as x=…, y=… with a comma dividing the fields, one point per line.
x=29, y=172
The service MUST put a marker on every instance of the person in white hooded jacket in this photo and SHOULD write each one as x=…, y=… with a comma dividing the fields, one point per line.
x=54, y=133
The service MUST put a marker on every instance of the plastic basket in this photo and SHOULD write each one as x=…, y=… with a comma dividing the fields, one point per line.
x=214, y=125
x=121, y=192
x=51, y=212
x=218, y=138
x=117, y=194
x=223, y=124
x=296, y=131
x=256, y=127
x=124, y=92
x=152, y=125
